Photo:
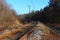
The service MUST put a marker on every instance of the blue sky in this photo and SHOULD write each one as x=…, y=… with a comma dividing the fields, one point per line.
x=21, y=6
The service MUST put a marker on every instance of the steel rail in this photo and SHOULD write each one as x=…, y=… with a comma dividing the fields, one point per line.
x=28, y=31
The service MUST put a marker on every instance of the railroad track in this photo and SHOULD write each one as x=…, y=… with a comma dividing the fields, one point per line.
x=27, y=32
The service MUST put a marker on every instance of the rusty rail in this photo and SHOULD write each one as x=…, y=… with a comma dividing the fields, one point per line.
x=14, y=31
x=27, y=32
x=9, y=34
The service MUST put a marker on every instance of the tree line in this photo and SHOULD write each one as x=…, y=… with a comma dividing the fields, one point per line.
x=50, y=14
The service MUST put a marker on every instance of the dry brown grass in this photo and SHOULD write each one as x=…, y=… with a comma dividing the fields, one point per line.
x=47, y=33
x=14, y=31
